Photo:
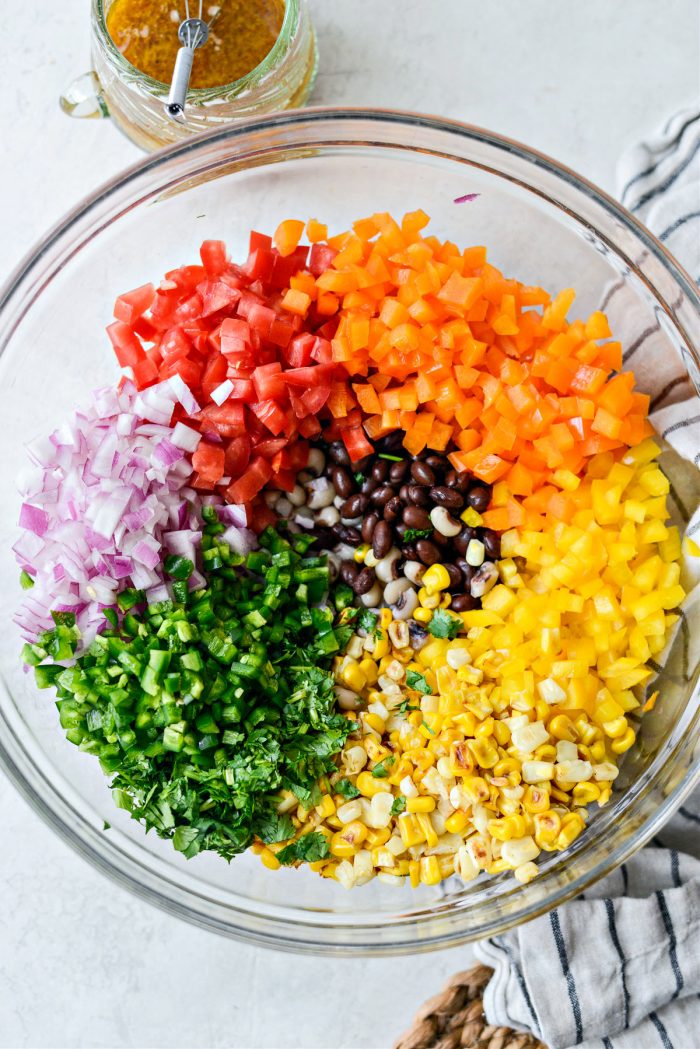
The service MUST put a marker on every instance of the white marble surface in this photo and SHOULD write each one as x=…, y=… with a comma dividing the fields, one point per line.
x=82, y=962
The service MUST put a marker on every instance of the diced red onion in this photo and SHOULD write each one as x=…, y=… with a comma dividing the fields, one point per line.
x=241, y=540
x=33, y=518
x=466, y=197
x=185, y=437
x=221, y=393
x=98, y=505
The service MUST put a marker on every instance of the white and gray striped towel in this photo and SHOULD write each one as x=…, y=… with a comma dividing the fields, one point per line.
x=620, y=968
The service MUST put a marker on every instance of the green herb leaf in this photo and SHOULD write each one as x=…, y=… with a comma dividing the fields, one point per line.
x=346, y=788
x=185, y=840
x=381, y=769
x=391, y=458
x=412, y=534
x=368, y=620
x=307, y=849
x=398, y=805
x=417, y=681
x=443, y=624
x=405, y=706
x=359, y=477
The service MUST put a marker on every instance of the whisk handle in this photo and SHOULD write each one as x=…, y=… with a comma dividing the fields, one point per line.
x=177, y=95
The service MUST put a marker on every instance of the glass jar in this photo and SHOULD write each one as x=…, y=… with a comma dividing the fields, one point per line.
x=135, y=102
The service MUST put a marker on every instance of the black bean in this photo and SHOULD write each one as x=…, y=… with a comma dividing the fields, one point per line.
x=368, y=486
x=382, y=495
x=347, y=534
x=479, y=498
x=492, y=543
x=468, y=571
x=455, y=576
x=342, y=481
x=364, y=581
x=462, y=540
x=416, y=517
x=368, y=526
x=463, y=603
x=339, y=453
x=391, y=442
x=451, y=478
x=427, y=552
x=418, y=495
x=380, y=470
x=400, y=529
x=464, y=482
x=360, y=465
x=436, y=462
x=422, y=473
x=409, y=550
x=447, y=497
x=355, y=506
x=393, y=509
x=349, y=572
x=398, y=471
x=440, y=539
x=381, y=540
x=325, y=539
x=403, y=493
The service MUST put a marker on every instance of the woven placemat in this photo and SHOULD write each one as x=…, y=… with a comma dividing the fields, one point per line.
x=454, y=1019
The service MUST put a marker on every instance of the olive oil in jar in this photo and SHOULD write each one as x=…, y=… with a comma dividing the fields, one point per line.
x=242, y=34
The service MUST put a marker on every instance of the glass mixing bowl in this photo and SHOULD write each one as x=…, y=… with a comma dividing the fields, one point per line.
x=542, y=224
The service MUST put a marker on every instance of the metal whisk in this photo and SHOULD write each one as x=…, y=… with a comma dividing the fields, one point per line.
x=192, y=33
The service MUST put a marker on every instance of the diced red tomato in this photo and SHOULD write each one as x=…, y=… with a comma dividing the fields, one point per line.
x=218, y=321
x=208, y=460
x=175, y=345
x=298, y=352
x=133, y=304
x=216, y=295
x=237, y=455
x=213, y=256
x=320, y=259
x=316, y=375
x=250, y=482
x=270, y=413
x=259, y=241
x=259, y=265
x=127, y=346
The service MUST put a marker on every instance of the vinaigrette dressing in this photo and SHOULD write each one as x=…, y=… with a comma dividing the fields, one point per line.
x=243, y=33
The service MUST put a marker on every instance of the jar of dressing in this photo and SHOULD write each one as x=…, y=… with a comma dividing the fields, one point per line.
x=138, y=30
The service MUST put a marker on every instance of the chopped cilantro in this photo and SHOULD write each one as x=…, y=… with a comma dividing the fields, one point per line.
x=443, y=624
x=307, y=849
x=427, y=726
x=368, y=621
x=412, y=534
x=398, y=806
x=417, y=681
x=347, y=789
x=359, y=477
x=404, y=707
x=391, y=458
x=381, y=769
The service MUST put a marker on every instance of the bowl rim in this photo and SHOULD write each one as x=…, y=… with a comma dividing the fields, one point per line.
x=299, y=935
